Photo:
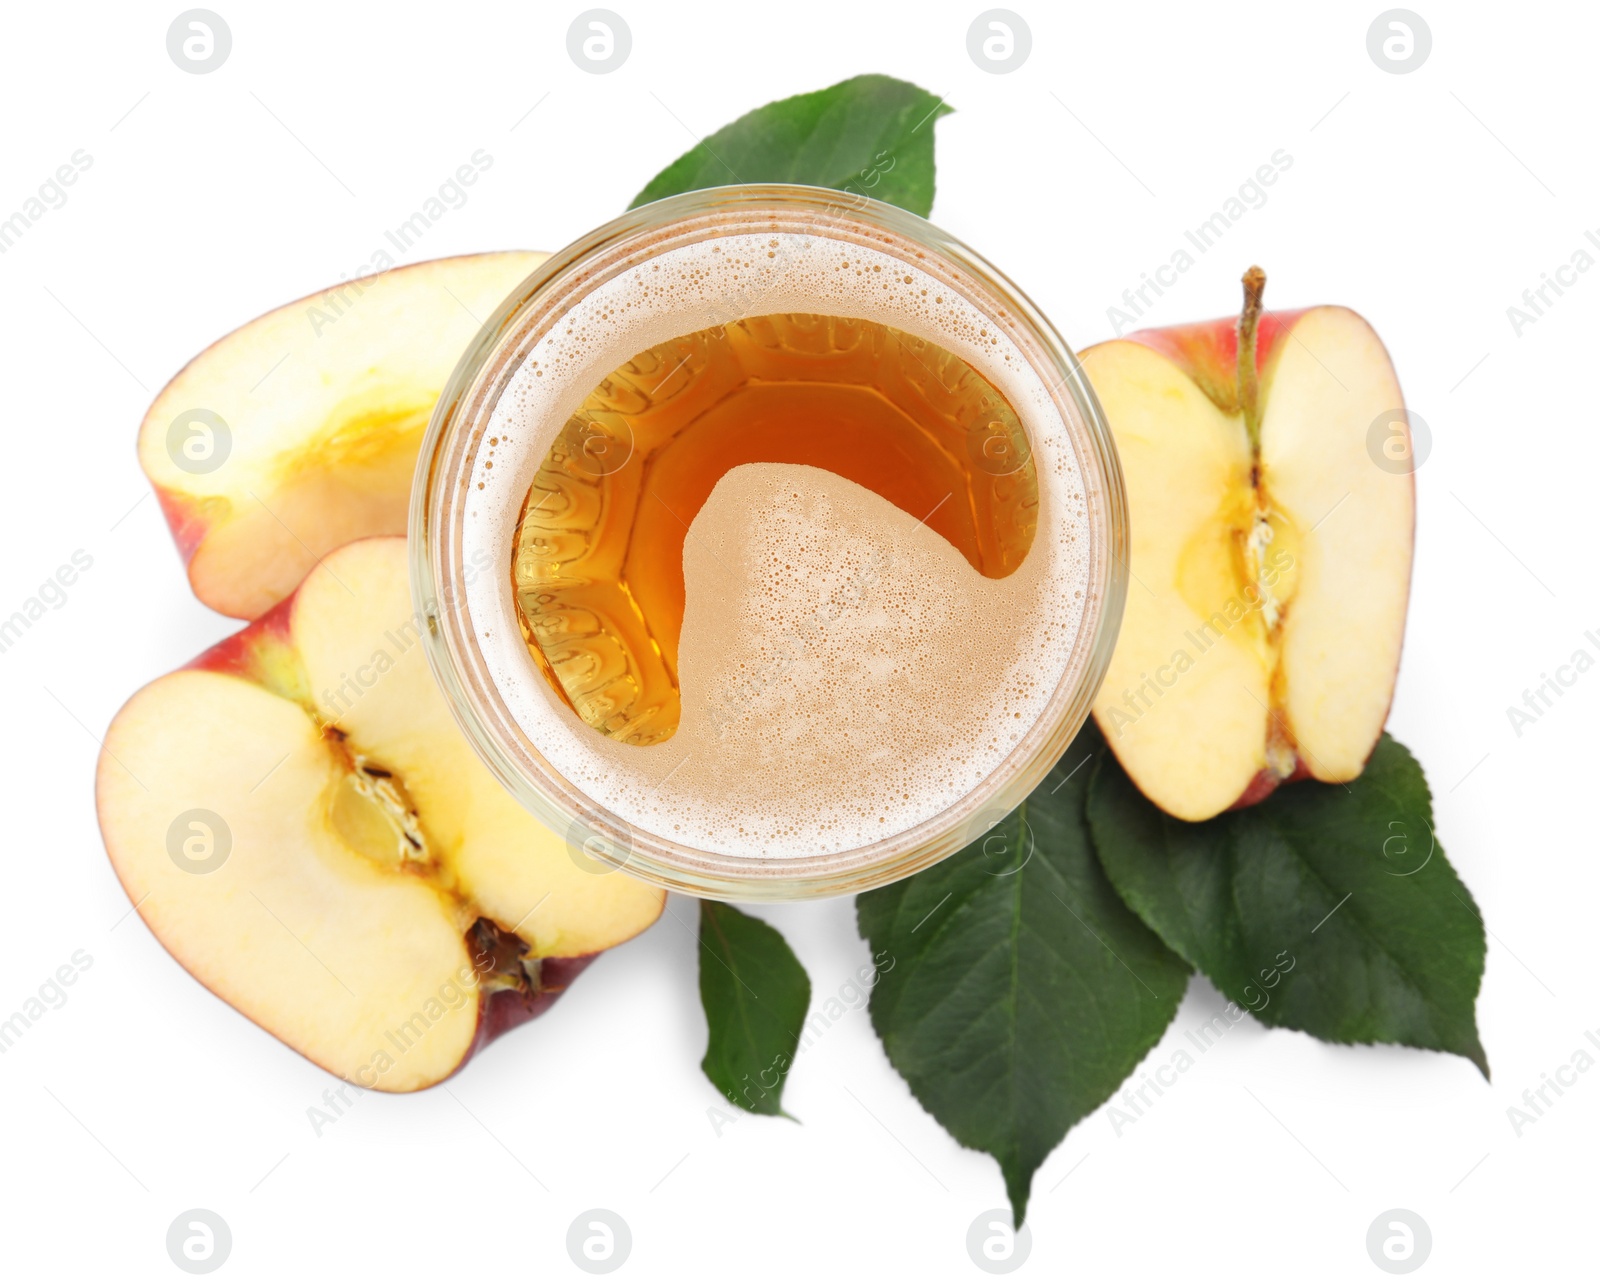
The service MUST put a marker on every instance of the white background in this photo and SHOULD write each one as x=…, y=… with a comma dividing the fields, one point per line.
x=1427, y=201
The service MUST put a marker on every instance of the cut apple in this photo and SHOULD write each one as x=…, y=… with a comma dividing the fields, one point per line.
x=300, y=822
x=299, y=432
x=1270, y=563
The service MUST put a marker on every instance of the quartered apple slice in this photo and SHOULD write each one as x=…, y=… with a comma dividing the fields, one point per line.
x=1272, y=510
x=299, y=431
x=302, y=825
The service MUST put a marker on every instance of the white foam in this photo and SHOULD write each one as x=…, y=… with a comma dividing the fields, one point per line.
x=810, y=761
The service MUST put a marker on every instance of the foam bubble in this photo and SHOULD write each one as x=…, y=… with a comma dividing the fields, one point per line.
x=845, y=673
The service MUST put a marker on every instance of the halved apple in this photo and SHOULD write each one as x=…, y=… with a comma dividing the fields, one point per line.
x=299, y=431
x=302, y=825
x=1272, y=512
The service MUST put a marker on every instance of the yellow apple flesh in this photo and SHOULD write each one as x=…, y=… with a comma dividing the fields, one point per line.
x=299, y=431
x=1270, y=554
x=301, y=823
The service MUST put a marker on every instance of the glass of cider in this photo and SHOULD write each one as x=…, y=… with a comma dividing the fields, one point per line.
x=772, y=544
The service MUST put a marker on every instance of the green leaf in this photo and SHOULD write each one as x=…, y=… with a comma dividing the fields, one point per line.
x=1021, y=991
x=1348, y=883
x=755, y=993
x=872, y=135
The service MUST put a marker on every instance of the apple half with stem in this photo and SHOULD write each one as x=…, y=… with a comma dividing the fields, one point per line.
x=1272, y=513
x=299, y=431
x=300, y=822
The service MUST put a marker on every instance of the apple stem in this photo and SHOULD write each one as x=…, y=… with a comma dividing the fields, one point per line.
x=1255, y=283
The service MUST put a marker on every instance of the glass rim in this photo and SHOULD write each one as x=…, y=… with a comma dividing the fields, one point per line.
x=438, y=494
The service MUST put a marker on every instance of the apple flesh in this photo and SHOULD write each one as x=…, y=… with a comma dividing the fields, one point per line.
x=1270, y=553
x=300, y=822
x=299, y=431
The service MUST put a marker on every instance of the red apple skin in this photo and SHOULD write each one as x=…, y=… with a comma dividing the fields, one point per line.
x=1264, y=783
x=502, y=1011
x=184, y=519
x=261, y=653
x=249, y=653
x=1208, y=352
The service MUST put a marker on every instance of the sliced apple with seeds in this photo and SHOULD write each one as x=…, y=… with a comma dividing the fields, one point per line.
x=1272, y=509
x=302, y=825
x=299, y=431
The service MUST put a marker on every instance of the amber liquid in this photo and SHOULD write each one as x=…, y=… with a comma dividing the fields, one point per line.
x=598, y=562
